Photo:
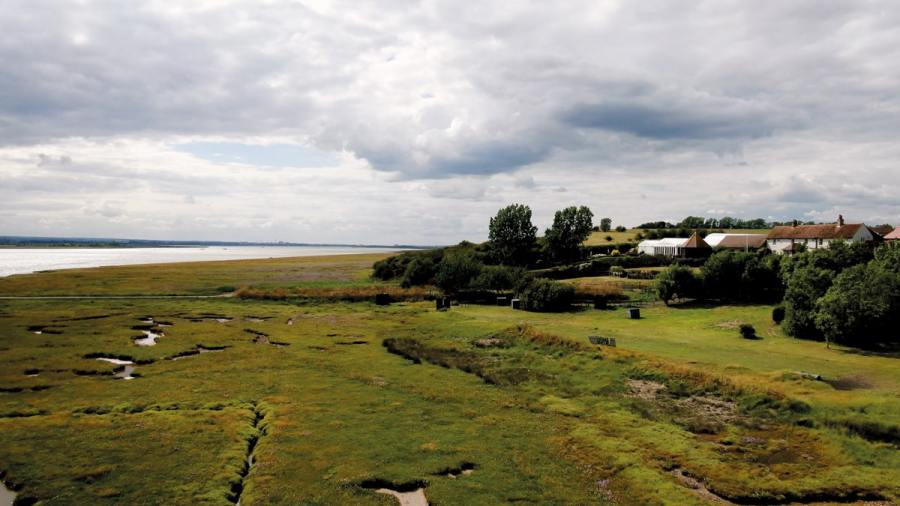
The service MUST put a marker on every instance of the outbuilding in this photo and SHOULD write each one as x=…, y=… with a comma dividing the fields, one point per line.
x=746, y=242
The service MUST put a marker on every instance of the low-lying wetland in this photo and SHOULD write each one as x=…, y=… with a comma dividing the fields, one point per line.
x=475, y=405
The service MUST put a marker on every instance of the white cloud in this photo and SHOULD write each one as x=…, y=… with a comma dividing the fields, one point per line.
x=439, y=112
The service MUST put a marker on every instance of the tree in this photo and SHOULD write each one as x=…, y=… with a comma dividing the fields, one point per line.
x=606, y=224
x=862, y=307
x=499, y=277
x=419, y=271
x=677, y=282
x=804, y=287
x=456, y=271
x=571, y=227
x=547, y=295
x=512, y=236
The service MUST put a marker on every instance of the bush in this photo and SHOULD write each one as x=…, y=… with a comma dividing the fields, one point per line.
x=862, y=307
x=620, y=228
x=419, y=271
x=678, y=281
x=778, y=314
x=547, y=295
x=747, y=331
x=499, y=277
x=457, y=271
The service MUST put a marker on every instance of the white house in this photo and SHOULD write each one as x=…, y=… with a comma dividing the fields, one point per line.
x=784, y=239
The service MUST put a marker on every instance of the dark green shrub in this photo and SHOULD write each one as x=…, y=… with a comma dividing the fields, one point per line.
x=457, y=271
x=677, y=281
x=499, y=278
x=547, y=295
x=419, y=271
x=747, y=331
x=778, y=314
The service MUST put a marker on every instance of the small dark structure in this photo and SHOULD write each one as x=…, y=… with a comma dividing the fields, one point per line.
x=605, y=341
x=442, y=303
x=382, y=299
x=634, y=313
x=695, y=247
x=516, y=304
x=502, y=301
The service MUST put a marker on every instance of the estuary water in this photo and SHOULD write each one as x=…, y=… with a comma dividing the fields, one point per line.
x=27, y=260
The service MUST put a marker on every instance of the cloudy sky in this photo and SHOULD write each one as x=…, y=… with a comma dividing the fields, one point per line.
x=413, y=122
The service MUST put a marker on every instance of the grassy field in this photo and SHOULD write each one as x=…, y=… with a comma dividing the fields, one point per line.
x=599, y=238
x=330, y=400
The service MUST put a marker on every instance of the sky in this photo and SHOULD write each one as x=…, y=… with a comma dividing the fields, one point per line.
x=414, y=122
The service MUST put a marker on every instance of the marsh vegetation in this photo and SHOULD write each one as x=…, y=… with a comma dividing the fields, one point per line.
x=478, y=404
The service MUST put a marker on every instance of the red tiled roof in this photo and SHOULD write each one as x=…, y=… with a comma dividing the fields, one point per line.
x=893, y=236
x=753, y=241
x=829, y=231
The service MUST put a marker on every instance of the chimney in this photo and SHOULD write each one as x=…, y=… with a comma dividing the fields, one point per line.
x=840, y=220
x=794, y=223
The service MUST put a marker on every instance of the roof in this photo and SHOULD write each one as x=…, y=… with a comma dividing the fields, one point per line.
x=714, y=239
x=828, y=231
x=894, y=235
x=696, y=242
x=668, y=241
x=882, y=230
x=753, y=241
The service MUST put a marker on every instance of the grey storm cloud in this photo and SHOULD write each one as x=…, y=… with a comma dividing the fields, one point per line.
x=434, y=89
x=661, y=121
x=472, y=104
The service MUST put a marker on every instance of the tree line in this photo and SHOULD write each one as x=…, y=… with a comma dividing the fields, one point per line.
x=698, y=222
x=501, y=264
x=847, y=293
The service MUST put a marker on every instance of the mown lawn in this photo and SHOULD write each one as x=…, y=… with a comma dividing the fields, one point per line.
x=682, y=410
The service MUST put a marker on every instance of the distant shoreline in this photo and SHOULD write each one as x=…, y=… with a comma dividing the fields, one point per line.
x=25, y=260
x=31, y=242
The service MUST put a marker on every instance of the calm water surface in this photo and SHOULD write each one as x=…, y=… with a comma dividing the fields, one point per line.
x=23, y=261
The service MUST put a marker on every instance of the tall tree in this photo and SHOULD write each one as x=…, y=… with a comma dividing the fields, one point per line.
x=512, y=235
x=571, y=226
x=606, y=224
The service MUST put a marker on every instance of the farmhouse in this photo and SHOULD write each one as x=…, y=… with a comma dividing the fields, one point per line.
x=736, y=241
x=692, y=247
x=784, y=239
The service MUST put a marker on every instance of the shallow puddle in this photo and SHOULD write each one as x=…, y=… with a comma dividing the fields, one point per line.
x=414, y=498
x=197, y=351
x=125, y=373
x=150, y=340
x=116, y=361
x=7, y=496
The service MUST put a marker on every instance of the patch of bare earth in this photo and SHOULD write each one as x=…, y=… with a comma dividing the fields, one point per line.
x=644, y=389
x=709, y=407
